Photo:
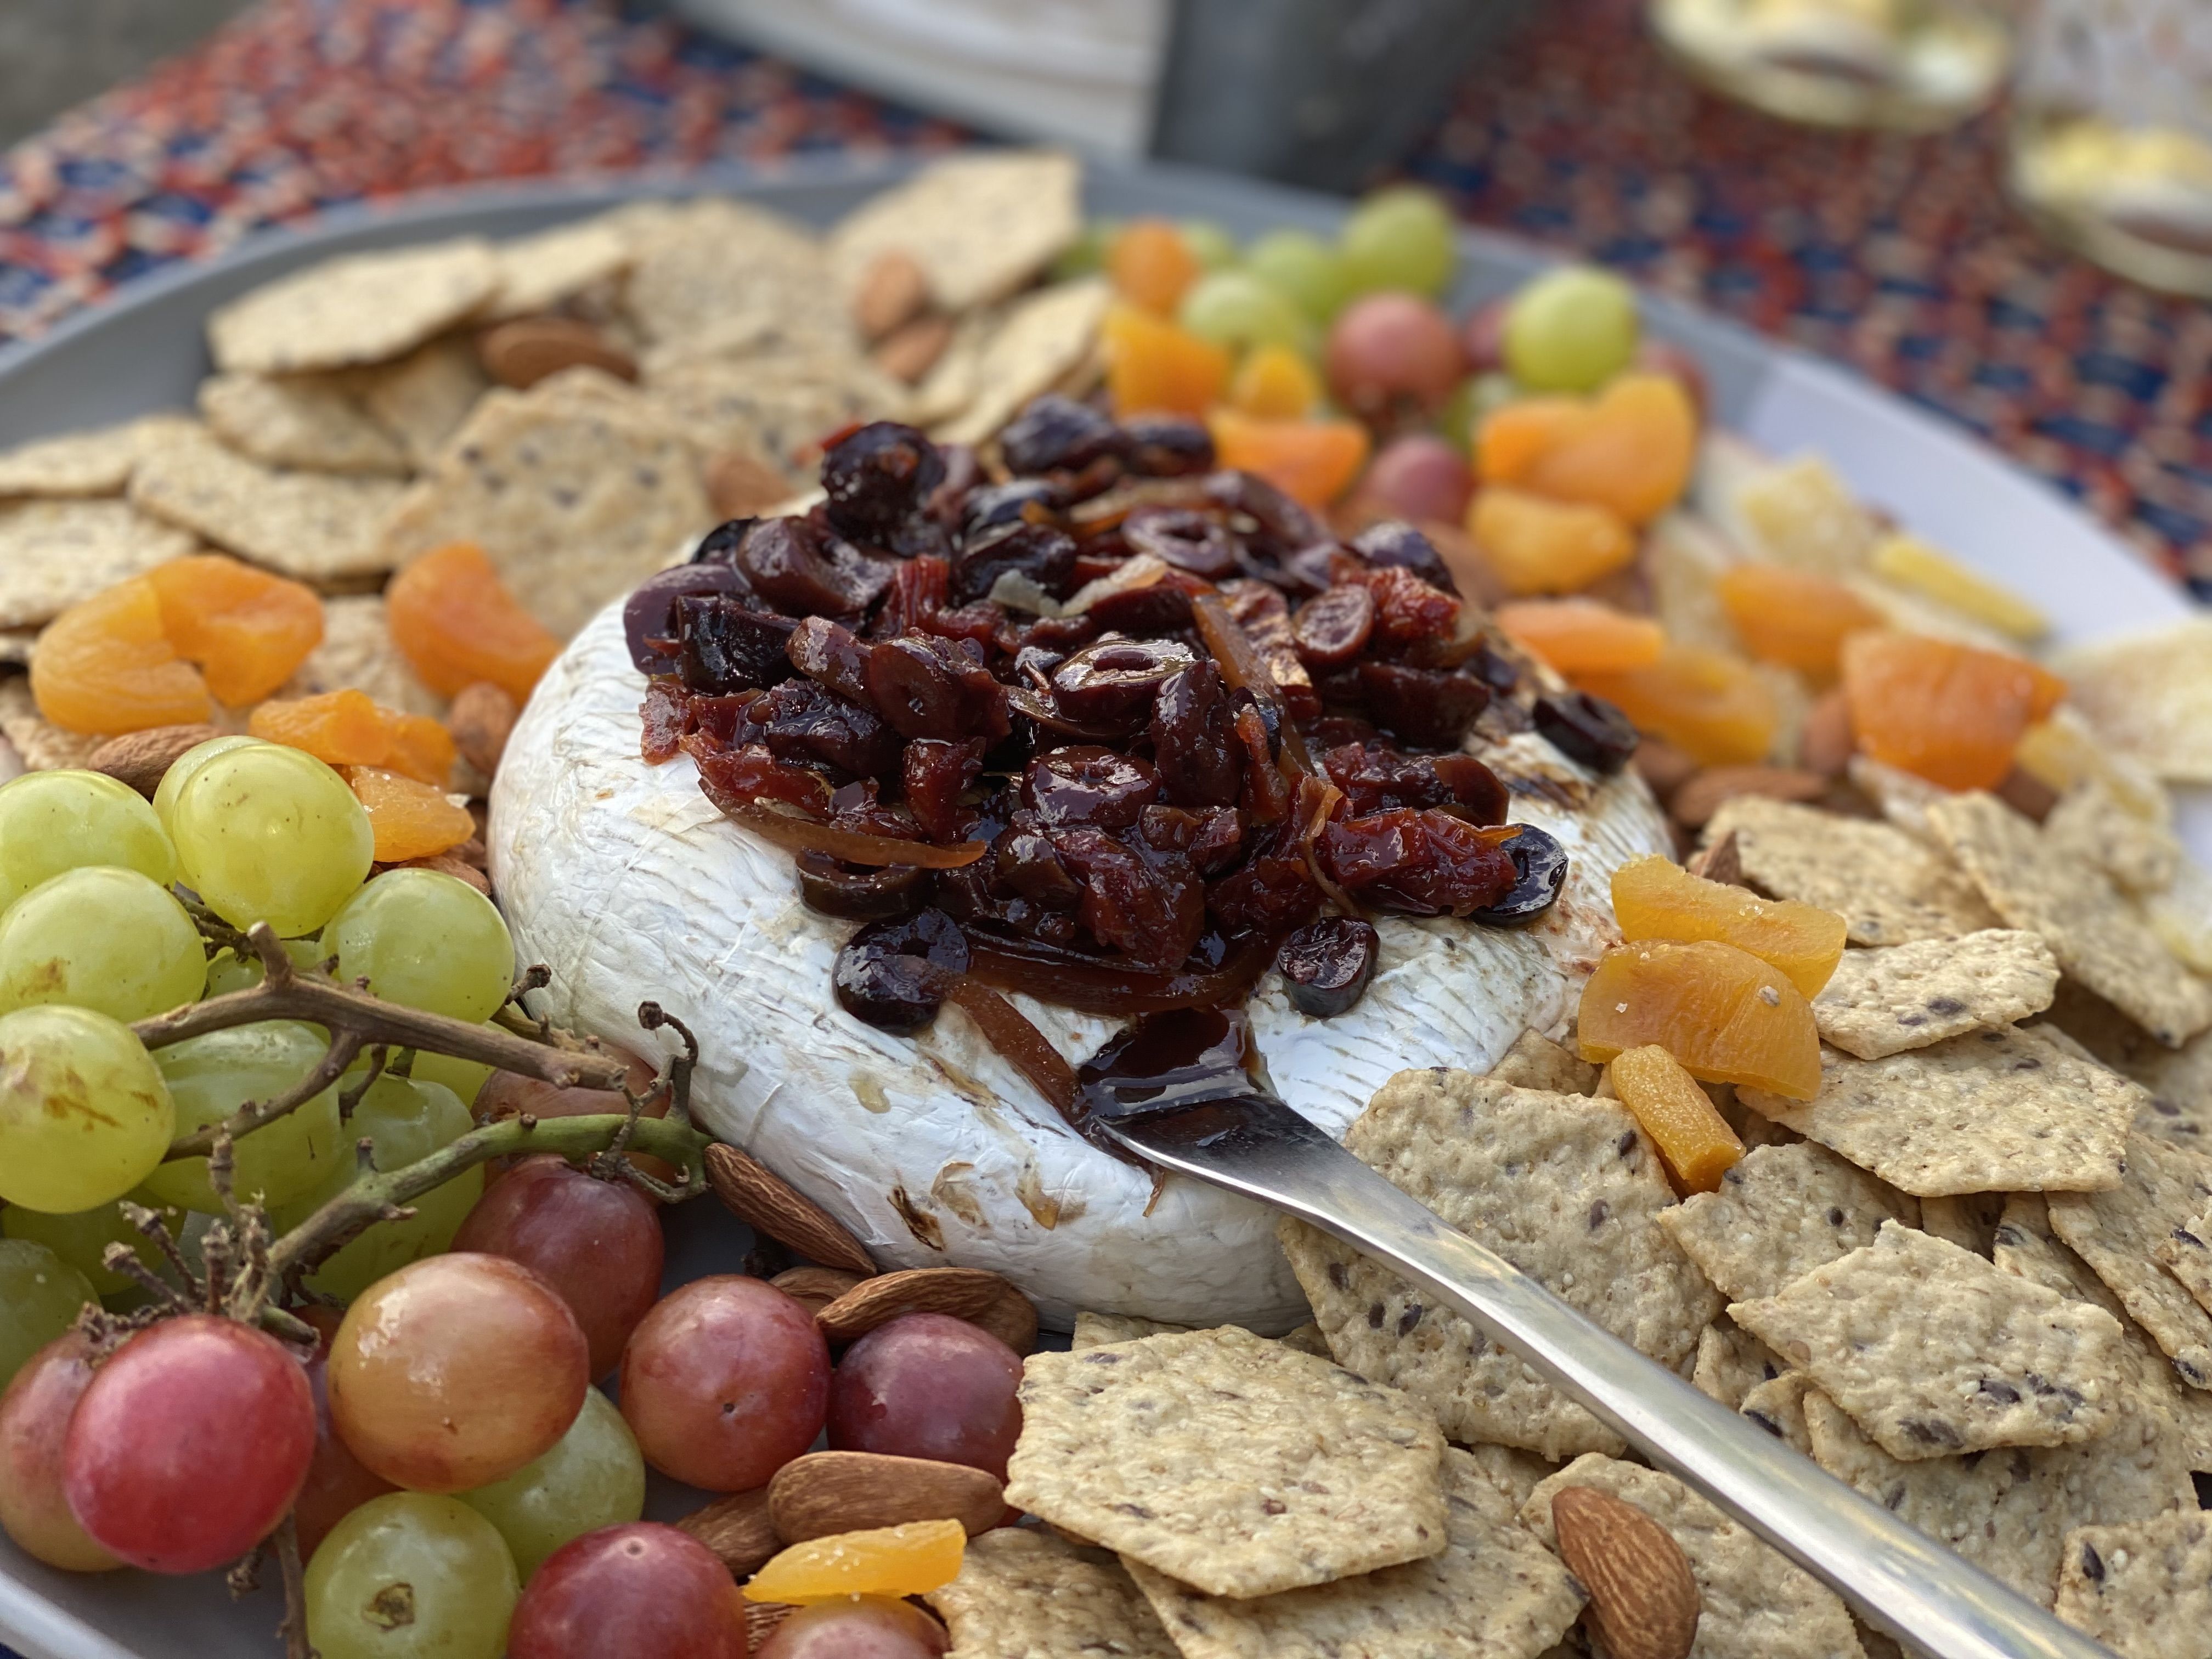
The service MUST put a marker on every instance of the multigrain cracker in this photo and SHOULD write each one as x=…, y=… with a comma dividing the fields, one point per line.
x=421, y=399
x=359, y=308
x=1779, y=1407
x=1883, y=1001
x=1534, y=1061
x=2098, y=939
x=2144, y=1589
x=357, y=654
x=1754, y=1604
x=42, y=745
x=1025, y=1593
x=2116, y=1232
x=537, y=273
x=1966, y=1220
x=1513, y=1472
x=2092, y=824
x=54, y=554
x=1992, y=1111
x=1095, y=1330
x=1494, y=1593
x=1731, y=1363
x=2149, y=696
x=1778, y=1212
x=299, y=420
x=2008, y=1512
x=712, y=268
x=1889, y=888
x=779, y=407
x=317, y=526
x=980, y=226
x=2187, y=1254
x=573, y=506
x=2180, y=1085
x=1044, y=336
x=1230, y=1462
x=96, y=462
x=1934, y=1352
x=1564, y=1187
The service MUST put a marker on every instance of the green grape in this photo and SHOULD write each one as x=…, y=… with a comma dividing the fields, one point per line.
x=1472, y=403
x=466, y=1077
x=211, y=1077
x=1209, y=244
x=40, y=1295
x=405, y=1121
x=103, y=937
x=1401, y=238
x=1086, y=255
x=1300, y=266
x=408, y=1576
x=1571, y=329
x=82, y=1239
x=181, y=772
x=51, y=822
x=427, y=939
x=592, y=1478
x=1235, y=308
x=84, y=1114
x=228, y=971
x=268, y=834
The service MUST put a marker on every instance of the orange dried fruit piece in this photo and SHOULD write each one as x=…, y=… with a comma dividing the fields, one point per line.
x=1708, y=703
x=1310, y=461
x=107, y=666
x=1727, y=1016
x=248, y=630
x=455, y=623
x=1542, y=546
x=410, y=819
x=905, y=1560
x=1654, y=897
x=1694, y=1140
x=339, y=728
x=1512, y=438
x=1579, y=636
x=1274, y=384
x=1152, y=366
x=1798, y=618
x=1152, y=265
x=1629, y=450
x=1951, y=713
x=422, y=748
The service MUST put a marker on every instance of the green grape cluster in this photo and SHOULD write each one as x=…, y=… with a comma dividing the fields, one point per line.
x=210, y=1077
x=39, y=1297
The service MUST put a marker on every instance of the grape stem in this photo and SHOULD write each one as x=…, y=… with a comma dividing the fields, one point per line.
x=293, y=1629
x=345, y=1044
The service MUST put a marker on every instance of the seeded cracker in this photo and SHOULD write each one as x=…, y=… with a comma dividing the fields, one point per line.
x=778, y=406
x=1095, y=1330
x=362, y=309
x=1885, y=1000
x=1513, y=1472
x=2150, y=696
x=299, y=420
x=1778, y=1212
x=1564, y=1187
x=1534, y=1061
x=1045, y=335
x=2143, y=1589
x=2008, y=1512
x=2187, y=1254
x=1731, y=1363
x=1754, y=1604
x=1227, y=1462
x=316, y=527
x=2091, y=823
x=1024, y=1593
x=357, y=654
x=1495, y=1593
x=1989, y=1112
x=42, y=745
x=423, y=400
x=54, y=554
x=2180, y=1085
x=1778, y=1407
x=713, y=268
x=96, y=462
x=2098, y=939
x=1889, y=888
x=1933, y=1350
x=537, y=273
x=574, y=507
x=980, y=226
x=2116, y=1232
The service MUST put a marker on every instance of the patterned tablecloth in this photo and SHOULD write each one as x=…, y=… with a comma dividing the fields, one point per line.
x=1899, y=256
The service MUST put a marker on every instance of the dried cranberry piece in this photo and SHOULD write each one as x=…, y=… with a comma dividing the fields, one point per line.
x=1540, y=866
x=721, y=646
x=876, y=483
x=1496, y=672
x=1425, y=863
x=800, y=571
x=1028, y=867
x=893, y=974
x=1042, y=552
x=1194, y=735
x=1167, y=445
x=1082, y=783
x=936, y=774
x=660, y=720
x=810, y=722
x=1162, y=608
x=928, y=687
x=1332, y=628
x=1396, y=542
x=1326, y=965
x=1587, y=729
x=1115, y=678
x=1264, y=615
x=1424, y=705
x=1408, y=610
x=1285, y=524
x=837, y=889
x=832, y=653
x=750, y=774
x=920, y=589
x=1219, y=841
x=1054, y=434
x=649, y=613
x=1272, y=893
x=979, y=623
x=1151, y=905
x=1189, y=541
x=1375, y=778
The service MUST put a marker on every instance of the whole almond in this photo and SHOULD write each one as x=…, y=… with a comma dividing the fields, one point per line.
x=742, y=485
x=769, y=1204
x=1664, y=767
x=2027, y=794
x=833, y=1492
x=481, y=719
x=762, y=1620
x=817, y=1287
x=909, y=352
x=141, y=758
x=446, y=865
x=1722, y=862
x=1696, y=801
x=892, y=291
x=1644, y=1598
x=522, y=353
x=1826, y=743
x=737, y=1529
x=983, y=1299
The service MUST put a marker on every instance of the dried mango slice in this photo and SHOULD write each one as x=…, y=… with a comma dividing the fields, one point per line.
x=1630, y=452
x=107, y=666
x=1655, y=899
x=455, y=623
x=1727, y=1016
x=1153, y=367
x=249, y=631
x=1910, y=563
x=1694, y=1140
x=906, y=1560
x=1798, y=618
x=1951, y=713
x=410, y=819
x=1582, y=637
x=1538, y=545
x=1310, y=461
x=1713, y=705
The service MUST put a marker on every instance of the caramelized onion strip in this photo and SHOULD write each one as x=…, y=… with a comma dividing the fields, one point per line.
x=1102, y=987
x=799, y=834
x=1019, y=1043
x=1242, y=664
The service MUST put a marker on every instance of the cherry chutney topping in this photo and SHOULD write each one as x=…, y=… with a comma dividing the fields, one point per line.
x=1147, y=726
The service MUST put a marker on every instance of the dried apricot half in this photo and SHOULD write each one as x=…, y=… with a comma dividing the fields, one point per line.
x=1951, y=713
x=1153, y=367
x=1582, y=637
x=905, y=1560
x=107, y=666
x=1711, y=704
x=248, y=630
x=455, y=623
x=410, y=819
x=1542, y=546
x=1727, y=1016
x=1628, y=449
x=339, y=728
x=1655, y=899
x=1310, y=461
x=1694, y=1140
x=1152, y=265
x=1798, y=618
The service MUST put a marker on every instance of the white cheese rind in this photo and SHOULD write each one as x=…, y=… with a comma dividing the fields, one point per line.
x=624, y=881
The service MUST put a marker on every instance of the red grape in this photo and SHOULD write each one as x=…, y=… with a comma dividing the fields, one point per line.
x=508, y=1094
x=456, y=1370
x=189, y=1444
x=1391, y=346
x=640, y=1591
x=337, y=1484
x=597, y=1242
x=34, y=1417
x=1418, y=476
x=725, y=1382
x=1482, y=337
x=865, y=1627
x=927, y=1385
